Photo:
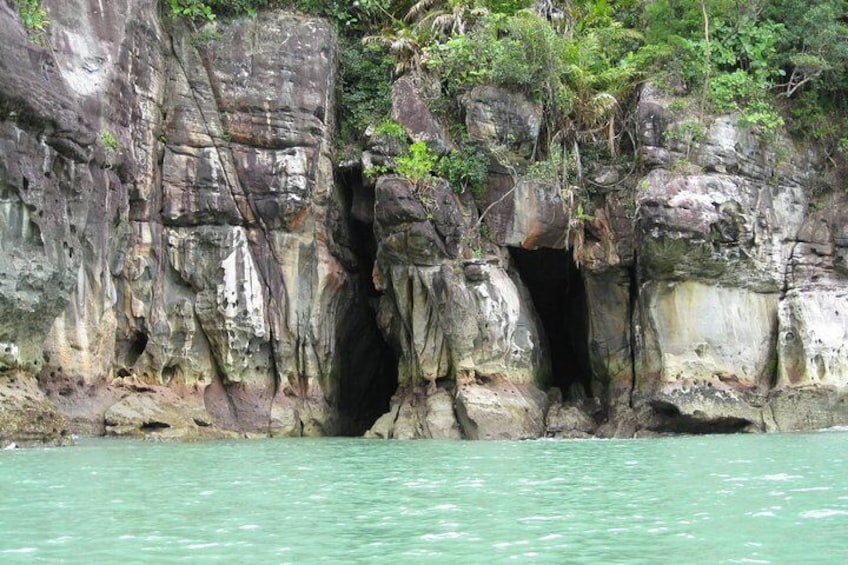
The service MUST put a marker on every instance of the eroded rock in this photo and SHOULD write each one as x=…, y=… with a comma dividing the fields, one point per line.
x=27, y=417
x=501, y=410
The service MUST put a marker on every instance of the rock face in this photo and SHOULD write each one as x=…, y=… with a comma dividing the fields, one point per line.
x=27, y=417
x=171, y=217
x=732, y=269
x=180, y=257
x=456, y=320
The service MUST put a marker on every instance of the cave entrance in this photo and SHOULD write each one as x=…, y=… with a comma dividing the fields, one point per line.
x=559, y=296
x=135, y=347
x=368, y=364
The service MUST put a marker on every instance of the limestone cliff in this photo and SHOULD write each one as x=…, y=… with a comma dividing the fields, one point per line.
x=181, y=255
x=172, y=227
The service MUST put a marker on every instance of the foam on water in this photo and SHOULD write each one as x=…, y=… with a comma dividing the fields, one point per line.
x=781, y=477
x=20, y=550
x=824, y=513
x=835, y=429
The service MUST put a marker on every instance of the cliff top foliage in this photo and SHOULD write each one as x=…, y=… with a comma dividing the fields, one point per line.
x=775, y=62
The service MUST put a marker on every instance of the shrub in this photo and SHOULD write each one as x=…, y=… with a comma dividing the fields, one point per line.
x=366, y=77
x=417, y=164
x=462, y=62
x=191, y=9
x=391, y=129
x=464, y=168
x=763, y=116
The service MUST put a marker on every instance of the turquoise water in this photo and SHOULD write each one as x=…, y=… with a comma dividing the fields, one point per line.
x=720, y=499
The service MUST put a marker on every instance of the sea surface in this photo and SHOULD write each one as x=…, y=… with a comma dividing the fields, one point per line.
x=718, y=499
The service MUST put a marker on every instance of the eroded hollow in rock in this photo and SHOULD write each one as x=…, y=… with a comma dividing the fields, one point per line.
x=669, y=419
x=154, y=426
x=135, y=346
x=559, y=297
x=368, y=364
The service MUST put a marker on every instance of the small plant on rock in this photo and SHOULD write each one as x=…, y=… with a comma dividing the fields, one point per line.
x=391, y=129
x=416, y=164
x=34, y=18
x=465, y=168
x=109, y=141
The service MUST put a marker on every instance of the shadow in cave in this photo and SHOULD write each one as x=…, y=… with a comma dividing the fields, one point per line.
x=559, y=297
x=368, y=365
x=135, y=347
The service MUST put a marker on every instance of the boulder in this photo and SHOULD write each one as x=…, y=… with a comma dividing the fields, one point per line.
x=501, y=410
x=534, y=215
x=158, y=413
x=409, y=108
x=505, y=122
x=572, y=420
x=415, y=414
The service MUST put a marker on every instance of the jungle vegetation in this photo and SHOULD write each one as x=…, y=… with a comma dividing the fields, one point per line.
x=775, y=62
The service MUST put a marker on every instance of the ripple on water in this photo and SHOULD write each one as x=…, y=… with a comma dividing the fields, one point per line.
x=811, y=489
x=346, y=501
x=823, y=513
x=203, y=545
x=781, y=477
x=446, y=507
x=442, y=536
x=20, y=550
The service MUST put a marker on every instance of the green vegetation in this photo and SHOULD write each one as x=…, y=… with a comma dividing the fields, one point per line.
x=417, y=163
x=464, y=168
x=358, y=14
x=774, y=62
x=392, y=130
x=34, y=18
x=366, y=97
x=771, y=60
x=110, y=143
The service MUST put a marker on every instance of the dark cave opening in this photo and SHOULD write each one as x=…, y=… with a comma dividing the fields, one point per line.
x=368, y=363
x=559, y=296
x=154, y=426
x=135, y=347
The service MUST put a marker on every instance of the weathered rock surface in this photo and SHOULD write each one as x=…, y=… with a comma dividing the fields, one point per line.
x=161, y=413
x=572, y=419
x=450, y=318
x=534, y=216
x=179, y=256
x=27, y=417
x=732, y=268
x=506, y=122
x=171, y=216
x=414, y=414
x=501, y=410
x=409, y=108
